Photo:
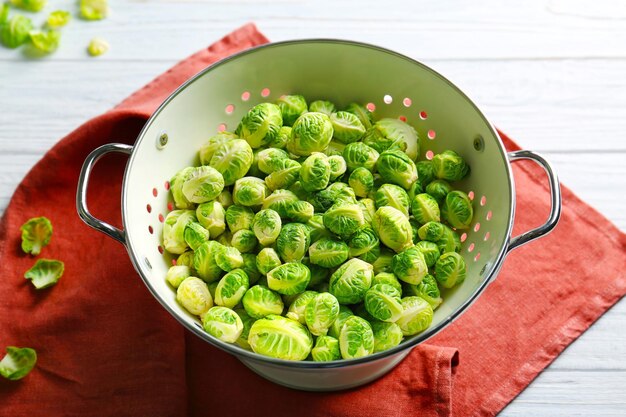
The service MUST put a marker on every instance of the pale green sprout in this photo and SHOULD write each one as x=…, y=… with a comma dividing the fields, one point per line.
x=211, y=216
x=193, y=294
x=362, y=181
x=17, y=362
x=449, y=241
x=358, y=154
x=247, y=322
x=210, y=146
x=202, y=184
x=356, y=338
x=396, y=167
x=286, y=174
x=338, y=192
x=338, y=166
x=386, y=335
x=393, y=134
x=438, y=189
x=232, y=159
x=250, y=191
x=176, y=188
x=29, y=5
x=368, y=207
x=425, y=172
x=382, y=302
x=344, y=219
x=239, y=218
x=425, y=209
x=281, y=338
x=427, y=289
x=383, y=262
x=231, y=288
x=270, y=159
x=315, y=172
x=298, y=306
x=344, y=314
x=317, y=228
x=225, y=199
x=365, y=116
x=289, y=278
x=223, y=323
x=266, y=260
x=351, y=280
x=457, y=210
x=97, y=47
x=393, y=228
x=449, y=166
x=259, y=301
x=204, y=262
x=347, y=127
x=45, y=41
x=312, y=132
x=328, y=252
x=280, y=141
x=334, y=148
x=291, y=107
x=36, y=234
x=293, y=242
x=326, y=349
x=431, y=231
x=394, y=196
x=261, y=125
x=15, y=31
x=322, y=106
x=174, y=230
x=228, y=258
x=320, y=313
x=450, y=270
x=417, y=315
x=45, y=273
x=387, y=278
x=279, y=200
x=362, y=242
x=266, y=226
x=195, y=235
x=177, y=274
x=410, y=266
x=244, y=241
x=429, y=250
x=94, y=9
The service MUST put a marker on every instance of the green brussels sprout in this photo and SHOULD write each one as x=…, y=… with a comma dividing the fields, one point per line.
x=261, y=125
x=315, y=172
x=431, y=231
x=393, y=228
x=228, y=258
x=280, y=141
x=382, y=302
x=457, y=210
x=351, y=280
x=393, y=134
x=244, y=240
x=278, y=200
x=362, y=181
x=211, y=216
x=289, y=278
x=383, y=262
x=386, y=335
x=358, y=154
x=335, y=329
x=300, y=211
x=328, y=252
x=247, y=322
x=250, y=268
x=94, y=9
x=363, y=241
x=195, y=235
x=269, y=159
x=250, y=191
x=347, y=127
x=174, y=230
x=393, y=196
x=338, y=192
x=417, y=315
x=387, y=278
x=320, y=312
x=322, y=106
x=259, y=301
x=266, y=226
x=36, y=234
x=204, y=261
x=425, y=209
x=338, y=166
x=286, y=175
x=208, y=149
x=344, y=219
x=96, y=47
x=449, y=242
x=312, y=132
x=317, y=228
x=17, y=363
x=177, y=274
x=425, y=172
x=45, y=273
x=222, y=323
x=225, y=238
x=410, y=266
x=326, y=349
x=365, y=116
x=438, y=189
x=239, y=218
x=356, y=338
x=396, y=167
x=368, y=207
x=298, y=306
x=450, y=166
x=225, y=199
x=231, y=288
x=415, y=189
x=176, y=188
x=186, y=259
x=293, y=242
x=233, y=159
x=450, y=270
x=281, y=338
x=334, y=148
x=266, y=260
x=202, y=184
x=194, y=295
x=427, y=289
x=291, y=107
x=429, y=250
x=15, y=31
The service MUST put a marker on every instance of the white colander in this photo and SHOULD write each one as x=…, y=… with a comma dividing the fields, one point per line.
x=392, y=85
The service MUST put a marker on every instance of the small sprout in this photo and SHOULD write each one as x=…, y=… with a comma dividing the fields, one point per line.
x=17, y=363
x=210, y=146
x=457, y=210
x=450, y=270
x=211, y=216
x=338, y=192
x=387, y=278
x=259, y=301
x=58, y=19
x=293, y=242
x=321, y=311
x=225, y=199
x=177, y=274
x=427, y=289
x=222, y=323
x=365, y=116
x=322, y=106
x=347, y=127
x=202, y=184
x=239, y=217
x=244, y=241
x=271, y=159
x=386, y=335
x=286, y=174
x=382, y=302
x=291, y=107
x=362, y=181
x=393, y=134
x=261, y=125
x=266, y=226
x=439, y=189
x=289, y=278
x=298, y=306
x=425, y=209
x=266, y=260
x=45, y=41
x=338, y=166
x=393, y=196
x=195, y=235
x=311, y=132
x=36, y=234
x=410, y=266
x=430, y=251
x=250, y=191
x=232, y=159
x=193, y=294
x=315, y=172
x=280, y=141
x=344, y=314
x=45, y=273
x=280, y=337
x=204, y=262
x=356, y=338
x=358, y=154
x=328, y=252
x=326, y=349
x=417, y=315
x=393, y=228
x=344, y=219
x=176, y=188
x=29, y=5
x=362, y=242
x=396, y=167
x=449, y=166
x=228, y=258
x=425, y=172
x=431, y=231
x=351, y=280
x=368, y=207
x=319, y=275
x=94, y=9
x=15, y=31
x=174, y=230
x=231, y=288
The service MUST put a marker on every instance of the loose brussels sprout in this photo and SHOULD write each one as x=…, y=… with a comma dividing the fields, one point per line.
x=438, y=189
x=233, y=159
x=186, y=259
x=362, y=181
x=261, y=125
x=211, y=216
x=239, y=218
x=298, y=306
x=326, y=349
x=431, y=231
x=231, y=288
x=425, y=209
x=259, y=301
x=293, y=242
x=194, y=295
x=450, y=269
x=312, y=132
x=393, y=196
x=322, y=106
x=315, y=172
x=368, y=207
x=387, y=278
x=386, y=335
x=266, y=260
x=202, y=184
x=351, y=280
x=289, y=278
x=328, y=252
x=383, y=262
x=15, y=31
x=244, y=240
x=228, y=258
x=410, y=266
x=393, y=134
x=382, y=302
x=363, y=241
x=429, y=250
x=393, y=228
x=266, y=226
x=279, y=200
x=177, y=274
x=347, y=127
x=450, y=166
x=338, y=166
x=222, y=323
x=269, y=160
x=45, y=273
x=174, y=230
x=320, y=313
x=285, y=176
x=280, y=141
x=334, y=148
x=249, y=267
x=335, y=329
x=208, y=149
x=427, y=289
x=204, y=261
x=457, y=210
x=338, y=192
x=247, y=322
x=195, y=235
x=449, y=242
x=176, y=188
x=365, y=116
x=358, y=154
x=291, y=107
x=356, y=338
x=417, y=315
x=396, y=167
x=300, y=211
x=250, y=191
x=317, y=228
x=344, y=219
x=36, y=234
x=225, y=199
x=17, y=362
x=425, y=172
x=280, y=337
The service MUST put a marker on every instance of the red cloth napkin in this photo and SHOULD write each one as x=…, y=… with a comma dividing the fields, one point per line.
x=107, y=348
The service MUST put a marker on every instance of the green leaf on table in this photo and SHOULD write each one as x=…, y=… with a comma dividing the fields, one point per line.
x=36, y=234
x=58, y=18
x=94, y=9
x=30, y=5
x=17, y=363
x=15, y=31
x=45, y=273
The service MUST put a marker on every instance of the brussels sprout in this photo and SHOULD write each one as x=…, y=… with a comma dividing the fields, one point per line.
x=239, y=218
x=269, y=159
x=15, y=31
x=280, y=141
x=383, y=263
x=45, y=273
x=315, y=172
x=266, y=260
x=417, y=315
x=387, y=278
x=358, y=154
x=298, y=306
x=228, y=258
x=259, y=301
x=393, y=134
x=351, y=280
x=425, y=172
x=396, y=167
x=438, y=189
x=225, y=238
x=250, y=268
x=293, y=242
x=279, y=200
x=225, y=199
x=300, y=211
x=174, y=230
x=312, y=132
x=386, y=335
x=266, y=226
x=286, y=175
x=208, y=149
x=291, y=107
x=211, y=216
x=231, y=288
x=56, y=19
x=450, y=270
x=289, y=278
x=449, y=242
x=247, y=322
x=425, y=209
x=335, y=329
x=186, y=259
x=177, y=274
x=316, y=227
x=415, y=189
x=195, y=235
x=334, y=148
x=362, y=181
x=17, y=363
x=244, y=240
x=36, y=234
x=47, y=41
x=393, y=196
x=356, y=338
x=427, y=289
x=194, y=295
x=202, y=184
x=280, y=337
x=222, y=323
x=233, y=159
x=450, y=166
x=429, y=250
x=328, y=252
x=410, y=266
x=320, y=312
x=261, y=125
x=326, y=349
x=457, y=210
x=249, y=191
x=393, y=228
x=431, y=231
x=347, y=127
x=94, y=9
x=365, y=116
x=363, y=241
x=344, y=219
x=382, y=302
x=176, y=188
x=338, y=166
x=368, y=207
x=204, y=261
x=338, y=192
x=322, y=106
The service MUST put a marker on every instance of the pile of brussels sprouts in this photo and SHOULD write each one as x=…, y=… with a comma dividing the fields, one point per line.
x=312, y=233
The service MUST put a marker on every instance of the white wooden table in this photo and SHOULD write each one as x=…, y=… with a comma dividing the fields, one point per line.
x=551, y=73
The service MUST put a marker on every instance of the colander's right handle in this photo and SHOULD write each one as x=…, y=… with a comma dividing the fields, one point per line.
x=555, y=200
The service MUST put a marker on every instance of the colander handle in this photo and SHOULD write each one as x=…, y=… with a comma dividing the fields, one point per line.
x=555, y=200
x=81, y=192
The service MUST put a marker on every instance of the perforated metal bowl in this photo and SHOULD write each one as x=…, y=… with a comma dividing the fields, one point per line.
x=393, y=85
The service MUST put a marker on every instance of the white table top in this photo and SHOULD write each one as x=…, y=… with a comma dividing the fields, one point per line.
x=551, y=73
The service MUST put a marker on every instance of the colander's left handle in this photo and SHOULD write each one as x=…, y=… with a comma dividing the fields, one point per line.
x=81, y=192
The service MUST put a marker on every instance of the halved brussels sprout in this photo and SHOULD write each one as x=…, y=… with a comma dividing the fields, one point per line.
x=204, y=261
x=326, y=349
x=202, y=184
x=429, y=250
x=457, y=210
x=312, y=132
x=228, y=258
x=427, y=289
x=335, y=329
x=266, y=260
x=417, y=315
x=261, y=125
x=356, y=338
x=194, y=295
x=368, y=207
x=351, y=280
x=222, y=323
x=347, y=127
x=317, y=228
x=344, y=219
x=438, y=189
x=382, y=301
x=232, y=159
x=45, y=273
x=363, y=241
x=280, y=337
x=266, y=226
x=298, y=306
x=410, y=266
x=247, y=322
x=36, y=234
x=176, y=188
x=362, y=181
x=386, y=335
x=449, y=241
x=338, y=166
x=322, y=106
x=425, y=172
x=208, y=149
x=328, y=252
x=396, y=167
x=195, y=235
x=17, y=362
x=431, y=231
x=289, y=278
x=365, y=116
x=387, y=278
x=177, y=274
x=249, y=267
x=320, y=313
x=250, y=191
x=338, y=192
x=358, y=154
x=425, y=209
x=239, y=218
x=259, y=301
x=231, y=288
x=393, y=134
x=450, y=269
x=394, y=196
x=211, y=216
x=315, y=172
x=286, y=174
x=293, y=242
x=244, y=241
x=280, y=141
x=291, y=107
x=225, y=199
x=269, y=160
x=450, y=166
x=383, y=262
x=393, y=228
x=174, y=230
